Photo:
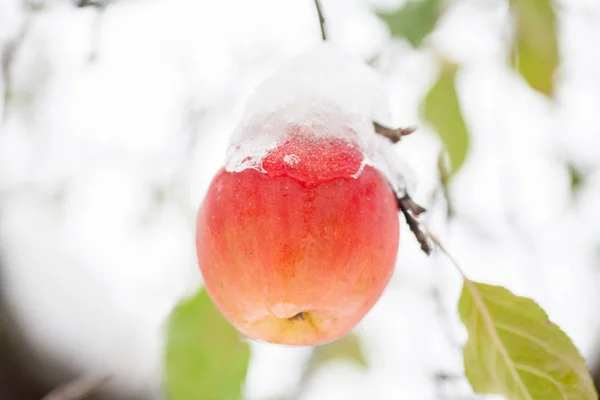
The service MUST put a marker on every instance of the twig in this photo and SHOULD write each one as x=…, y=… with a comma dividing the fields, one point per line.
x=409, y=208
x=393, y=134
x=90, y=3
x=321, y=20
x=411, y=211
x=78, y=389
x=440, y=246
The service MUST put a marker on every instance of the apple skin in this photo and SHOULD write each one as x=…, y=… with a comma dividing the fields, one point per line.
x=297, y=254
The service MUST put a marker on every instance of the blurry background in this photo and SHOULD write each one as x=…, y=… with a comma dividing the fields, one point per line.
x=114, y=116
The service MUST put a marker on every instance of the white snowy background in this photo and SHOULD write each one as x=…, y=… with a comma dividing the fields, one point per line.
x=115, y=122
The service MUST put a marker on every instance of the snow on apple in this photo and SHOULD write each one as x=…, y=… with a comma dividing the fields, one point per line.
x=298, y=234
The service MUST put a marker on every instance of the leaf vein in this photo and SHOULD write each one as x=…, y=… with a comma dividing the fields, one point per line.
x=489, y=323
x=541, y=374
x=536, y=340
x=514, y=307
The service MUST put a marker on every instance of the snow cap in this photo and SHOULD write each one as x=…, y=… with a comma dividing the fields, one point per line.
x=323, y=91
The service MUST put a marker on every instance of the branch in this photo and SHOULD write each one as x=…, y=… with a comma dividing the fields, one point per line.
x=393, y=134
x=445, y=251
x=90, y=3
x=78, y=389
x=321, y=20
x=409, y=208
x=411, y=211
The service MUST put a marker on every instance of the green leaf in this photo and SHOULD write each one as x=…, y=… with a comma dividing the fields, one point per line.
x=414, y=21
x=346, y=348
x=514, y=350
x=535, y=49
x=441, y=109
x=205, y=357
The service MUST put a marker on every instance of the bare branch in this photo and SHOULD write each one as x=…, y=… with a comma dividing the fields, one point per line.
x=78, y=389
x=409, y=208
x=90, y=3
x=411, y=211
x=321, y=19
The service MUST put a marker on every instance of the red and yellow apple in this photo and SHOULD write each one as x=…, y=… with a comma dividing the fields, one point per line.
x=298, y=252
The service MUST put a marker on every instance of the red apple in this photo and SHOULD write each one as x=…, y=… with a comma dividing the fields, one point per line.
x=299, y=252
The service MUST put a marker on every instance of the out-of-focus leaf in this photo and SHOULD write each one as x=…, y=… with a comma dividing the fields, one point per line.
x=535, y=49
x=345, y=348
x=414, y=21
x=514, y=350
x=205, y=357
x=444, y=175
x=441, y=108
x=576, y=177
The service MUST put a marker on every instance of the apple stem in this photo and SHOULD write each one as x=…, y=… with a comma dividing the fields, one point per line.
x=300, y=315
